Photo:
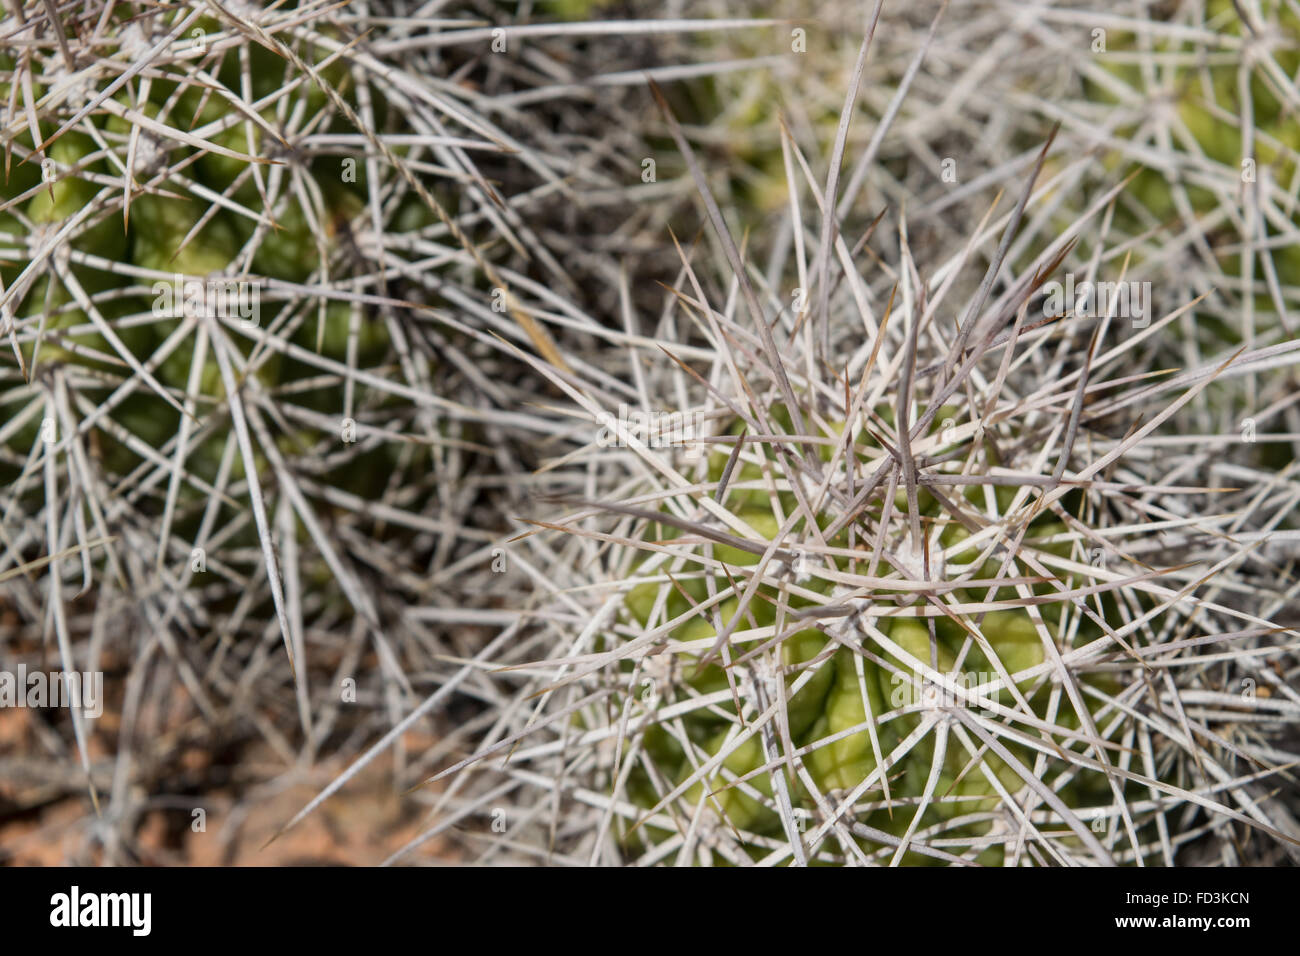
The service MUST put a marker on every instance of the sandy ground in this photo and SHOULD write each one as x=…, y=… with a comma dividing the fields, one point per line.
x=360, y=826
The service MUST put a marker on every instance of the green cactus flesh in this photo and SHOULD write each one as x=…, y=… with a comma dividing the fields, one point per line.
x=829, y=687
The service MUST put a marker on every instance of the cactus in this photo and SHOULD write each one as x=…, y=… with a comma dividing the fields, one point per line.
x=198, y=253
x=897, y=593
x=1199, y=103
x=1226, y=95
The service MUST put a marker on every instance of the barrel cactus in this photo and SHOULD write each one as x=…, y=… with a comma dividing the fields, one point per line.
x=905, y=599
x=222, y=230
